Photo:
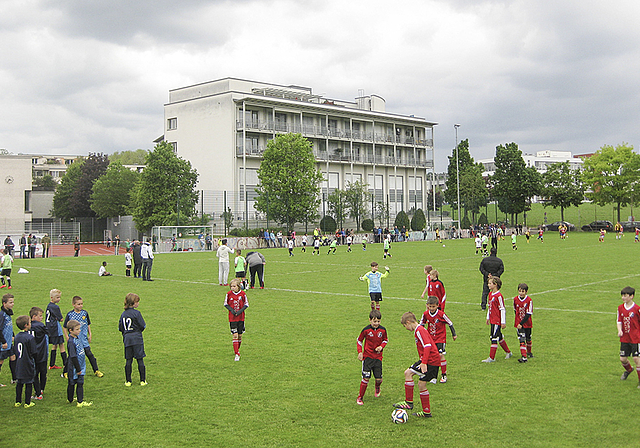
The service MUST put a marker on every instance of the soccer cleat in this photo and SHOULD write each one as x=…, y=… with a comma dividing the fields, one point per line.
x=29, y=404
x=359, y=401
x=84, y=404
x=489, y=360
x=127, y=383
x=625, y=375
x=509, y=355
x=14, y=381
x=3, y=286
x=523, y=359
x=434, y=380
x=422, y=414
x=64, y=375
x=143, y=383
x=529, y=355
x=17, y=405
x=403, y=405
x=54, y=367
x=39, y=397
x=98, y=373
x=11, y=287
x=237, y=358
x=377, y=393
x=3, y=385
x=443, y=379
x=262, y=287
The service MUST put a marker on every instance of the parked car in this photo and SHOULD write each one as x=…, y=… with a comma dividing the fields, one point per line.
x=554, y=226
x=597, y=226
x=630, y=226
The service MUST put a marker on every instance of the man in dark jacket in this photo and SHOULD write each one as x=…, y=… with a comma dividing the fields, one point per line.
x=490, y=266
x=137, y=259
x=256, y=263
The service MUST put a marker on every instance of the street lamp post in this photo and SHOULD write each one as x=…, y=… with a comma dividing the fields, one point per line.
x=456, y=126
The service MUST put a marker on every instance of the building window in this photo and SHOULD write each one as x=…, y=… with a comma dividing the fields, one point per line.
x=174, y=145
x=27, y=201
x=172, y=124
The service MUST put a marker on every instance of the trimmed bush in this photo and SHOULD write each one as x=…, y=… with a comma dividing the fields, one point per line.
x=482, y=220
x=402, y=220
x=328, y=224
x=419, y=221
x=367, y=225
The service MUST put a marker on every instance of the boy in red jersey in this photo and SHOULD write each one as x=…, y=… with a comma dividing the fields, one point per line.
x=426, y=367
x=629, y=332
x=496, y=318
x=523, y=308
x=236, y=302
x=434, y=320
x=427, y=270
x=375, y=340
x=436, y=289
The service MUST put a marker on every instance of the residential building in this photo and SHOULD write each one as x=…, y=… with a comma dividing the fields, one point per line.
x=222, y=127
x=541, y=161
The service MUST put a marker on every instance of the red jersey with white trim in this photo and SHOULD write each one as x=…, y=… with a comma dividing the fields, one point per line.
x=237, y=300
x=436, y=288
x=426, y=347
x=436, y=323
x=372, y=338
x=522, y=307
x=630, y=320
x=496, y=310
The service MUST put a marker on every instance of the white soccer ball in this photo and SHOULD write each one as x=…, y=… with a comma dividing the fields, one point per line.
x=444, y=245
x=399, y=416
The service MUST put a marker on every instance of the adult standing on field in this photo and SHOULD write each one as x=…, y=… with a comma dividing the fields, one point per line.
x=146, y=252
x=46, y=244
x=491, y=266
x=223, y=253
x=137, y=259
x=256, y=263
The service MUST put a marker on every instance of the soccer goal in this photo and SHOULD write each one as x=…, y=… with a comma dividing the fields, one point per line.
x=181, y=238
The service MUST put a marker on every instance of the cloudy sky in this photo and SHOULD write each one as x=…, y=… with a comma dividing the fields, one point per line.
x=79, y=76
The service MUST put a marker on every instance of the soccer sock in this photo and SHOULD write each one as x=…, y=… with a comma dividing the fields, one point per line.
x=239, y=344
x=28, y=390
x=142, y=370
x=19, y=393
x=523, y=349
x=378, y=384
x=627, y=366
x=12, y=366
x=43, y=377
x=504, y=346
x=92, y=360
x=236, y=346
x=9, y=281
x=127, y=370
x=492, y=352
x=363, y=387
x=70, y=390
x=408, y=391
x=64, y=357
x=443, y=367
x=2, y=280
x=373, y=306
x=80, y=392
x=378, y=306
x=528, y=346
x=424, y=399
x=638, y=372
x=52, y=358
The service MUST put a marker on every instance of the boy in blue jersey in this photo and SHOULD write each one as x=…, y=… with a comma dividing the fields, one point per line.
x=6, y=335
x=25, y=363
x=131, y=326
x=76, y=364
x=39, y=332
x=53, y=322
x=82, y=316
x=374, y=279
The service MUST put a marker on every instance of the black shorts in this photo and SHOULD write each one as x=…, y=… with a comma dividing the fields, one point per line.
x=628, y=349
x=79, y=380
x=442, y=348
x=376, y=296
x=237, y=327
x=496, y=332
x=56, y=340
x=524, y=334
x=240, y=274
x=6, y=272
x=371, y=365
x=4, y=354
x=432, y=371
x=134, y=351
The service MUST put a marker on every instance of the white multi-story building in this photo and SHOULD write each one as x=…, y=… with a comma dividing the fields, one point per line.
x=222, y=127
x=540, y=161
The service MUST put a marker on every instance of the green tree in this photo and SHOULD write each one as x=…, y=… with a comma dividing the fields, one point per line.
x=338, y=208
x=328, y=224
x=612, y=175
x=62, y=197
x=94, y=166
x=136, y=157
x=473, y=190
x=562, y=187
x=402, y=220
x=45, y=182
x=166, y=188
x=288, y=189
x=112, y=192
x=513, y=183
x=418, y=221
x=356, y=199
x=382, y=213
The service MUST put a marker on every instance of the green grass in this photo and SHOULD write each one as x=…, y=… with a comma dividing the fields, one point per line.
x=299, y=376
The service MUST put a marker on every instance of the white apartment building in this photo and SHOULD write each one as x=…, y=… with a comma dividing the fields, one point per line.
x=222, y=127
x=540, y=161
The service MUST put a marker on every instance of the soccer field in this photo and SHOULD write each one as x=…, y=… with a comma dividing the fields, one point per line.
x=298, y=378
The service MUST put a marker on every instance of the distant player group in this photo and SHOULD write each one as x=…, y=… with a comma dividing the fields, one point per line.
x=28, y=351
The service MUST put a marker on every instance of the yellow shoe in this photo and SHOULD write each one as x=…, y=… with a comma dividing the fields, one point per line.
x=127, y=383
x=84, y=404
x=99, y=374
x=29, y=405
x=17, y=405
x=143, y=383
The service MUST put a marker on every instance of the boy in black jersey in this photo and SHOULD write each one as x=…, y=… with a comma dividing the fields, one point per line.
x=25, y=361
x=39, y=332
